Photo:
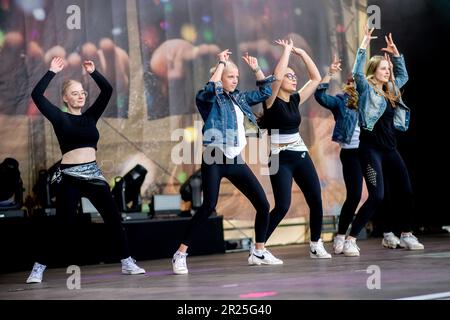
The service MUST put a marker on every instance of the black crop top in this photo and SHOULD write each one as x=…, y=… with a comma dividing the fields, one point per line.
x=283, y=115
x=73, y=131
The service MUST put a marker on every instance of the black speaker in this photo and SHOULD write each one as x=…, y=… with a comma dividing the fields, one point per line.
x=11, y=185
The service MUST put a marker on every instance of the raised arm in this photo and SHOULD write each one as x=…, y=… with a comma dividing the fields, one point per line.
x=253, y=64
x=106, y=89
x=400, y=75
x=280, y=69
x=223, y=59
x=360, y=61
x=49, y=110
x=257, y=96
x=325, y=100
x=314, y=75
x=205, y=96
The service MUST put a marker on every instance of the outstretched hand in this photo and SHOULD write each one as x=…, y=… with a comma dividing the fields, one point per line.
x=224, y=55
x=251, y=61
x=89, y=66
x=335, y=66
x=390, y=46
x=286, y=44
x=367, y=37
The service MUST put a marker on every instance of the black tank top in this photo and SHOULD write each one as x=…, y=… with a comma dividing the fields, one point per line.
x=283, y=115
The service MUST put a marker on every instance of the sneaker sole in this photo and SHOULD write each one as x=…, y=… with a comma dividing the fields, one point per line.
x=415, y=248
x=404, y=246
x=253, y=263
x=258, y=263
x=389, y=246
x=34, y=281
x=133, y=272
x=316, y=257
x=351, y=254
x=180, y=272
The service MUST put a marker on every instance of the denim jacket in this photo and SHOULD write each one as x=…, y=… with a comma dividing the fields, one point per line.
x=346, y=118
x=217, y=111
x=371, y=104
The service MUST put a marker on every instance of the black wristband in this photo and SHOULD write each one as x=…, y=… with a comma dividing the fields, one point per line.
x=223, y=62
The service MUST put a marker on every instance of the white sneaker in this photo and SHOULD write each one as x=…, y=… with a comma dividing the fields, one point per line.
x=410, y=242
x=390, y=241
x=259, y=257
x=37, y=273
x=317, y=251
x=129, y=266
x=350, y=248
x=179, y=265
x=338, y=243
x=252, y=248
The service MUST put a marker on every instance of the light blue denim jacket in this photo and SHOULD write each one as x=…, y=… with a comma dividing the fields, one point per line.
x=371, y=104
x=217, y=111
x=346, y=118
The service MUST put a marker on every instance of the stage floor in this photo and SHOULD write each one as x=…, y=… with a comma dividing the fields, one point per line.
x=403, y=274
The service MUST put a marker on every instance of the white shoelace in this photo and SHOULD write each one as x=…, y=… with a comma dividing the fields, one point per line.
x=130, y=263
x=38, y=269
x=180, y=260
x=409, y=235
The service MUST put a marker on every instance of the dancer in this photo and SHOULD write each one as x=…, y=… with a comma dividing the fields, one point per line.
x=282, y=118
x=346, y=132
x=227, y=114
x=78, y=174
x=382, y=111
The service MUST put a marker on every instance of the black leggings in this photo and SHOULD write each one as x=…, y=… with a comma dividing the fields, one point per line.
x=353, y=178
x=297, y=165
x=242, y=178
x=382, y=167
x=68, y=194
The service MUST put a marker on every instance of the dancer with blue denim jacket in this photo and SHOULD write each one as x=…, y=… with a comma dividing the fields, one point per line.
x=382, y=112
x=227, y=117
x=289, y=157
x=78, y=174
x=344, y=108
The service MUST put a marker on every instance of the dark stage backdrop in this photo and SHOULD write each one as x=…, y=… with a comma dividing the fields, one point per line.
x=420, y=29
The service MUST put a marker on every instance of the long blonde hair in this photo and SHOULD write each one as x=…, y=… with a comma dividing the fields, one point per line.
x=390, y=92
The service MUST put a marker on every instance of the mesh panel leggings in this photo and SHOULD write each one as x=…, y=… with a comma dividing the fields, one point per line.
x=381, y=167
